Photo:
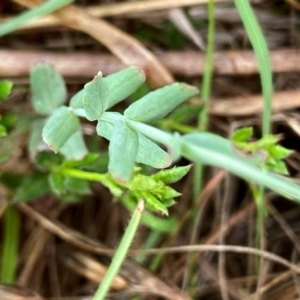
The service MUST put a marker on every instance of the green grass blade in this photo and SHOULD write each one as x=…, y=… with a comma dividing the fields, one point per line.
x=42, y=10
x=262, y=53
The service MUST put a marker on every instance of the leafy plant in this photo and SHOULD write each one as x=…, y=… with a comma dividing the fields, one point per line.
x=5, y=89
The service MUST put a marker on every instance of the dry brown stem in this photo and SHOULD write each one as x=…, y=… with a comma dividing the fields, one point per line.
x=128, y=49
x=86, y=64
x=118, y=9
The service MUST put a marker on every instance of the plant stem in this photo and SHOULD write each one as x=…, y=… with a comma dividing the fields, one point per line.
x=205, y=93
x=202, y=125
x=83, y=174
x=120, y=253
x=10, y=245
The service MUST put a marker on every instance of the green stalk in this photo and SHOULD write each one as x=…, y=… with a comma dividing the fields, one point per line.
x=40, y=11
x=262, y=54
x=120, y=253
x=205, y=93
x=202, y=124
x=92, y=176
x=10, y=245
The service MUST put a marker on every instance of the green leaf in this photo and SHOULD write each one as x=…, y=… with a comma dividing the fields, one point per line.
x=140, y=92
x=153, y=203
x=77, y=186
x=278, y=151
x=47, y=160
x=278, y=166
x=123, y=83
x=92, y=162
x=3, y=131
x=57, y=182
x=151, y=221
x=185, y=113
x=48, y=89
x=171, y=175
x=122, y=152
x=77, y=100
x=106, y=123
x=156, y=105
x=168, y=202
x=150, y=154
x=34, y=186
x=5, y=89
x=165, y=192
x=95, y=97
x=142, y=183
x=60, y=127
x=74, y=148
x=36, y=142
x=242, y=134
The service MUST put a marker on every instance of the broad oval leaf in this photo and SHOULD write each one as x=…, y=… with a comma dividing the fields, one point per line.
x=106, y=124
x=157, y=104
x=33, y=186
x=123, y=83
x=48, y=89
x=60, y=127
x=35, y=138
x=77, y=100
x=95, y=100
x=74, y=148
x=151, y=154
x=122, y=150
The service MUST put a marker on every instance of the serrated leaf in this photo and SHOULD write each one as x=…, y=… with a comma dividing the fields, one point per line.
x=142, y=183
x=171, y=175
x=95, y=97
x=265, y=141
x=154, y=203
x=151, y=154
x=168, y=202
x=166, y=192
x=157, y=104
x=122, y=152
x=74, y=148
x=61, y=125
x=123, y=83
x=280, y=168
x=34, y=186
x=5, y=89
x=48, y=89
x=278, y=151
x=242, y=134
